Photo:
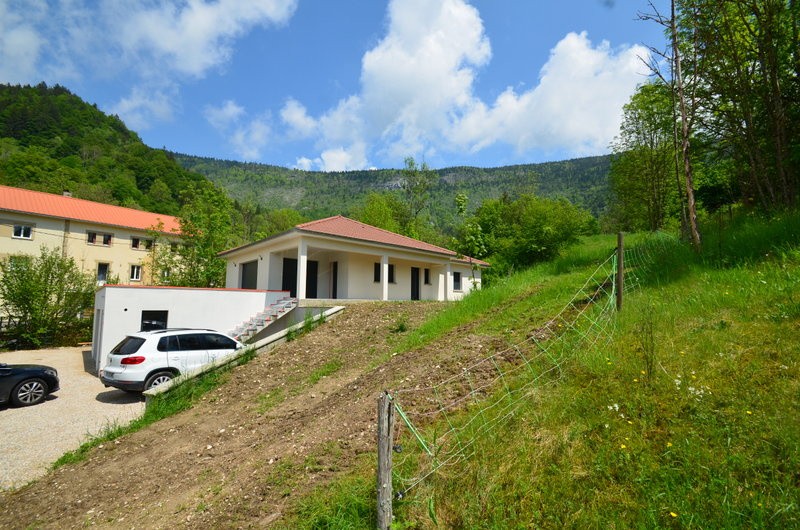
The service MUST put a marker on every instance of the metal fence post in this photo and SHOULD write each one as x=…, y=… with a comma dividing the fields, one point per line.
x=384, y=479
x=620, y=275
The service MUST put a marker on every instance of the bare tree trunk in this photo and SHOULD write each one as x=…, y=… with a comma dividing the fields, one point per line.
x=685, y=132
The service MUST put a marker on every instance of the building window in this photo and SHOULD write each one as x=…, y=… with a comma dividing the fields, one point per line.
x=376, y=273
x=456, y=281
x=95, y=238
x=23, y=232
x=427, y=276
x=141, y=244
x=136, y=273
x=102, y=272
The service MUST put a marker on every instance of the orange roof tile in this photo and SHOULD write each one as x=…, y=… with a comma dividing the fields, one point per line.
x=61, y=207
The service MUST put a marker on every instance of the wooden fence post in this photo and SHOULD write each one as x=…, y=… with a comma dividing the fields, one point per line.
x=620, y=276
x=384, y=482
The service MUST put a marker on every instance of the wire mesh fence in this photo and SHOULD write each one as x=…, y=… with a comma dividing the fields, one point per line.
x=447, y=418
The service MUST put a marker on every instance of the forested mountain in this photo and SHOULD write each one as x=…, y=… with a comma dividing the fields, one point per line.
x=51, y=140
x=582, y=181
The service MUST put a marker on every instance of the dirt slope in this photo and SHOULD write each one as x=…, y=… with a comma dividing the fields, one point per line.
x=236, y=459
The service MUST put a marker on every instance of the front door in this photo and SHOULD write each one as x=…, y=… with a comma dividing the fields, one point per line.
x=311, y=279
x=415, y=283
x=289, y=280
x=249, y=272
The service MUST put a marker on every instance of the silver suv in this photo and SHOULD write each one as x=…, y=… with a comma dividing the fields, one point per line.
x=150, y=358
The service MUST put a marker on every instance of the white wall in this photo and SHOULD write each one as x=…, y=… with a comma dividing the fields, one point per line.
x=467, y=283
x=119, y=310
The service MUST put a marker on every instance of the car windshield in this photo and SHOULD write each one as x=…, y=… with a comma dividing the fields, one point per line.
x=128, y=346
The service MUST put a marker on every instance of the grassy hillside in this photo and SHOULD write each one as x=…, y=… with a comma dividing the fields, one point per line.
x=686, y=417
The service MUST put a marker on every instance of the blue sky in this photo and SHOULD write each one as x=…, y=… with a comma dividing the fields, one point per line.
x=343, y=84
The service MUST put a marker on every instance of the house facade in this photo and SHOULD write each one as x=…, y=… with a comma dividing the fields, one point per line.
x=104, y=240
x=339, y=258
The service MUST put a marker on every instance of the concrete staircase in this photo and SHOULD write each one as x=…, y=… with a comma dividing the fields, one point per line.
x=259, y=321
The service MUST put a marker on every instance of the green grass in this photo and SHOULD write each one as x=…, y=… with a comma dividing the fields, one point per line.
x=687, y=418
x=329, y=368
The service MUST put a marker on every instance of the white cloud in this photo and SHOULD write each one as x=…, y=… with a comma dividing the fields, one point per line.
x=194, y=36
x=156, y=44
x=422, y=71
x=577, y=104
x=343, y=158
x=295, y=115
x=418, y=97
x=304, y=163
x=247, y=136
x=412, y=83
x=223, y=116
x=20, y=44
x=143, y=106
x=249, y=140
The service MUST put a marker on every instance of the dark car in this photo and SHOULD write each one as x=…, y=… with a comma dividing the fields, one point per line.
x=26, y=384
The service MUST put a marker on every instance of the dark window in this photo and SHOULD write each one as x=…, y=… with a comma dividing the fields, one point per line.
x=102, y=272
x=23, y=231
x=128, y=346
x=136, y=273
x=376, y=275
x=92, y=239
x=168, y=343
x=192, y=342
x=391, y=273
x=427, y=276
x=139, y=243
x=456, y=281
x=154, y=319
x=219, y=342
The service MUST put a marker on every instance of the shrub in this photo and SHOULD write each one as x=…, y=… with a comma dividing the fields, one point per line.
x=47, y=295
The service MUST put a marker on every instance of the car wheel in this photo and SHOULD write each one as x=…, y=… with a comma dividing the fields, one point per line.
x=158, y=378
x=29, y=392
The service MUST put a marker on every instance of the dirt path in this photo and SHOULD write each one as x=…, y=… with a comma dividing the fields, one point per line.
x=266, y=436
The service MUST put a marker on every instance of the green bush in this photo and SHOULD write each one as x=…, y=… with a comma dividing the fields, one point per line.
x=48, y=296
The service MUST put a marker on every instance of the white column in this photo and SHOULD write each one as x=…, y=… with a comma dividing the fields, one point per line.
x=263, y=271
x=385, y=277
x=302, y=259
x=448, y=275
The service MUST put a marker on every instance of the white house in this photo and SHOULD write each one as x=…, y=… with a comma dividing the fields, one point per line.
x=339, y=258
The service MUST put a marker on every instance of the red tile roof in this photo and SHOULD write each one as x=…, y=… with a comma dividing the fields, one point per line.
x=340, y=226
x=61, y=207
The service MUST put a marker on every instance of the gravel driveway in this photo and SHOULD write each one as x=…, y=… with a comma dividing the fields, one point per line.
x=32, y=438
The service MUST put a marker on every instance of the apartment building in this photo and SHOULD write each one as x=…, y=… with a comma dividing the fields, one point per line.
x=110, y=242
